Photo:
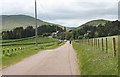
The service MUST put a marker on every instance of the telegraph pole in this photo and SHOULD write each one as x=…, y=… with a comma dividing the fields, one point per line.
x=56, y=28
x=36, y=24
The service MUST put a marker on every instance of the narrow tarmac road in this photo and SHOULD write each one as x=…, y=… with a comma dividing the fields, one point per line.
x=59, y=61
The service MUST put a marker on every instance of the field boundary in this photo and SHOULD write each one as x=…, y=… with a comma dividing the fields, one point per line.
x=12, y=57
x=26, y=43
x=95, y=42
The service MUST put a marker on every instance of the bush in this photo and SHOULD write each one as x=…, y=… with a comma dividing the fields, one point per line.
x=80, y=37
x=46, y=34
x=42, y=47
x=53, y=36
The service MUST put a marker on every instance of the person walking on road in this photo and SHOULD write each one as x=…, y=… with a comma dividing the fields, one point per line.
x=70, y=41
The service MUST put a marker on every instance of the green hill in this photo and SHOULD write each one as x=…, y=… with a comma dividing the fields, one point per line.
x=95, y=22
x=11, y=21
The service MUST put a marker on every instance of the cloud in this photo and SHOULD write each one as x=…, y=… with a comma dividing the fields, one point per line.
x=65, y=12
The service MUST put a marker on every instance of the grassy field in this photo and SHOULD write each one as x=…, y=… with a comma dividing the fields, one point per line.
x=15, y=39
x=15, y=56
x=94, y=61
x=11, y=21
x=30, y=40
x=110, y=43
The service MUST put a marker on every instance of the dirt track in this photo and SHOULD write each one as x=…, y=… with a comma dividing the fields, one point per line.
x=60, y=61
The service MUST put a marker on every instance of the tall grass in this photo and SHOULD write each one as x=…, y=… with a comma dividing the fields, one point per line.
x=94, y=61
x=109, y=43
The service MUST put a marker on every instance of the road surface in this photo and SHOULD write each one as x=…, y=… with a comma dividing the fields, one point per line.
x=59, y=61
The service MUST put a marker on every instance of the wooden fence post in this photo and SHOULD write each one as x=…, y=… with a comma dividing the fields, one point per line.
x=3, y=51
x=98, y=43
x=94, y=42
x=8, y=50
x=84, y=41
x=12, y=50
x=102, y=45
x=88, y=41
x=114, y=47
x=106, y=46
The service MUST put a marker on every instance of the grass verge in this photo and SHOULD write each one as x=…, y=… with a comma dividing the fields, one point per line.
x=93, y=61
x=15, y=57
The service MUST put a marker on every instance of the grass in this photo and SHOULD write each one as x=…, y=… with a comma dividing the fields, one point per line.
x=94, y=61
x=12, y=21
x=16, y=56
x=40, y=39
x=96, y=22
x=15, y=39
x=109, y=41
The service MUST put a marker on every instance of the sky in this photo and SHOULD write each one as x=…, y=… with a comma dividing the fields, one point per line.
x=70, y=13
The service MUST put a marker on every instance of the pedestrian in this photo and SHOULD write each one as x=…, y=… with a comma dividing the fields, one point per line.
x=70, y=41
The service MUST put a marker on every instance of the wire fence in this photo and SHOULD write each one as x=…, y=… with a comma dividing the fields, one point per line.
x=107, y=45
x=18, y=49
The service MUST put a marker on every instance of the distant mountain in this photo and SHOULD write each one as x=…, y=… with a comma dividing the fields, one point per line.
x=95, y=22
x=71, y=27
x=11, y=21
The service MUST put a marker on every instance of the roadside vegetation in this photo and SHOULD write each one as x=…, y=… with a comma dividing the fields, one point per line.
x=95, y=61
x=19, y=43
x=16, y=53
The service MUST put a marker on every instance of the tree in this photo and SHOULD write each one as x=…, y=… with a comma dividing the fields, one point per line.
x=68, y=35
x=108, y=29
x=29, y=31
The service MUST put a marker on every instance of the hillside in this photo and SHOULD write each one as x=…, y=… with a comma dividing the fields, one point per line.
x=70, y=28
x=11, y=21
x=95, y=22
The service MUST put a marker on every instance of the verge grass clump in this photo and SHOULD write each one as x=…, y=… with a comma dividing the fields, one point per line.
x=94, y=61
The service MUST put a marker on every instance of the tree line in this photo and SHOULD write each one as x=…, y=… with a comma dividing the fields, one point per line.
x=109, y=29
x=20, y=32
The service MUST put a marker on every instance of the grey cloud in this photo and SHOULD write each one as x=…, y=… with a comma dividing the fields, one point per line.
x=75, y=10
x=70, y=14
